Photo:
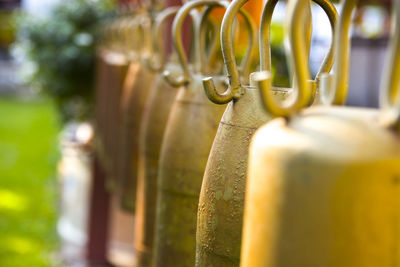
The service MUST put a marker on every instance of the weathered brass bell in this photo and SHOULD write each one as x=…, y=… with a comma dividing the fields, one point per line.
x=188, y=137
x=220, y=211
x=220, y=214
x=136, y=90
x=112, y=67
x=154, y=120
x=323, y=183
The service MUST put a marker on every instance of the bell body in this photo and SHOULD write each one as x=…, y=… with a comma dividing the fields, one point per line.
x=137, y=87
x=188, y=138
x=323, y=190
x=154, y=121
x=220, y=213
x=115, y=70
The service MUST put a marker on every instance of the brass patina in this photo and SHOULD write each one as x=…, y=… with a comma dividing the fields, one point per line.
x=112, y=68
x=137, y=86
x=220, y=214
x=188, y=137
x=323, y=183
x=154, y=121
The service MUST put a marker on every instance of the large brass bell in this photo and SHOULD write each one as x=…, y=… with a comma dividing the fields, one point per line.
x=188, y=137
x=323, y=183
x=136, y=90
x=154, y=120
x=112, y=67
x=220, y=214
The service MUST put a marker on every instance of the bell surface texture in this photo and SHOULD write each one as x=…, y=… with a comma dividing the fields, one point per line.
x=186, y=144
x=323, y=190
x=117, y=72
x=138, y=84
x=221, y=202
x=220, y=211
x=188, y=138
x=154, y=121
x=221, y=205
x=323, y=182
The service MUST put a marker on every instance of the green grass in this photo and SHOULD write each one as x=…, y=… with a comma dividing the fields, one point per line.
x=28, y=198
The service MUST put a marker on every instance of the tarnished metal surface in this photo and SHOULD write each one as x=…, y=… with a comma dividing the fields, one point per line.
x=220, y=214
x=323, y=190
x=109, y=94
x=188, y=138
x=220, y=211
x=137, y=86
x=154, y=121
x=323, y=184
x=117, y=56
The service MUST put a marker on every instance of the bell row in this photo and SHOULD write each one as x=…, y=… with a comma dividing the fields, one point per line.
x=223, y=168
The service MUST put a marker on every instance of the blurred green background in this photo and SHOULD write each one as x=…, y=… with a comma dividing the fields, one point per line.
x=28, y=203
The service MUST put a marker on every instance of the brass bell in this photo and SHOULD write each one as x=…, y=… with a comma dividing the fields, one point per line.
x=154, y=120
x=112, y=67
x=220, y=214
x=188, y=137
x=136, y=90
x=323, y=183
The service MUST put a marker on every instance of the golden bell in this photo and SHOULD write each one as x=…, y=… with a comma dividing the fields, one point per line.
x=220, y=215
x=154, y=120
x=323, y=183
x=187, y=141
x=137, y=85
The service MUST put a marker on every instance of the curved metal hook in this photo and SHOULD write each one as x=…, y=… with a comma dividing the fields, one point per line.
x=334, y=86
x=157, y=61
x=178, y=45
x=265, y=48
x=389, y=91
x=234, y=90
x=297, y=10
x=302, y=77
x=177, y=40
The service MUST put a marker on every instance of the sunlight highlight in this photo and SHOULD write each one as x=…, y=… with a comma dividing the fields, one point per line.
x=12, y=201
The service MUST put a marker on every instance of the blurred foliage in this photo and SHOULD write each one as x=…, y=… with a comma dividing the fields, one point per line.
x=28, y=199
x=279, y=67
x=60, y=49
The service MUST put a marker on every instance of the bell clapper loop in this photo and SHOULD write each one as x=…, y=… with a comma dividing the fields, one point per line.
x=307, y=88
x=299, y=60
x=180, y=17
x=234, y=90
x=156, y=61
